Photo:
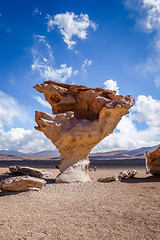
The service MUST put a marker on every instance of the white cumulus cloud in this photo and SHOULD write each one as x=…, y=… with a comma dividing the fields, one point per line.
x=148, y=19
x=49, y=73
x=26, y=141
x=17, y=138
x=86, y=63
x=71, y=25
x=152, y=8
x=127, y=135
x=111, y=85
x=43, y=61
x=11, y=111
x=147, y=110
x=12, y=114
x=1, y=127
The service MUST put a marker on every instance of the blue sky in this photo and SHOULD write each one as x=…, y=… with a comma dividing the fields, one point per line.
x=109, y=44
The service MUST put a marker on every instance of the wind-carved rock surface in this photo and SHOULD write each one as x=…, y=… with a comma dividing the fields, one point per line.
x=32, y=172
x=81, y=118
x=21, y=183
x=153, y=162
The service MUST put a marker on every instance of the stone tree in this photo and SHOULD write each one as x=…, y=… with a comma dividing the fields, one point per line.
x=81, y=117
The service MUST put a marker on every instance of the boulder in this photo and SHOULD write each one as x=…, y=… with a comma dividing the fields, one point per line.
x=33, y=172
x=153, y=162
x=107, y=179
x=81, y=117
x=126, y=174
x=21, y=183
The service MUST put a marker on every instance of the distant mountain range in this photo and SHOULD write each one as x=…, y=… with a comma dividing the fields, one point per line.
x=12, y=152
x=121, y=154
x=42, y=154
x=47, y=153
x=136, y=153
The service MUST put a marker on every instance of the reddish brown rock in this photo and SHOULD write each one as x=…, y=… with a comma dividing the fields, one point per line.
x=81, y=118
x=153, y=162
x=107, y=179
x=86, y=103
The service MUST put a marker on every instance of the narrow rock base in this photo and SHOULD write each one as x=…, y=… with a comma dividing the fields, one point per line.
x=76, y=173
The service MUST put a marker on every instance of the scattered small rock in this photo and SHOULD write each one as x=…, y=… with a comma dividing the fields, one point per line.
x=107, y=179
x=122, y=175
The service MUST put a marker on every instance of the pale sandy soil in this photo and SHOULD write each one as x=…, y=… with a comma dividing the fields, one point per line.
x=98, y=211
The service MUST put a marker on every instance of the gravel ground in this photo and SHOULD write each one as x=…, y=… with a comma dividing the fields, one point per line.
x=115, y=210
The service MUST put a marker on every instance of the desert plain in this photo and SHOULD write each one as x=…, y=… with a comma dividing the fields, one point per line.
x=117, y=210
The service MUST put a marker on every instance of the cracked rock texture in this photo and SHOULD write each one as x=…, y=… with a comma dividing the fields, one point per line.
x=81, y=118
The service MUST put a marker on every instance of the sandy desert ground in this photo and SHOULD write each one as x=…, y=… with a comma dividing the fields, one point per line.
x=99, y=211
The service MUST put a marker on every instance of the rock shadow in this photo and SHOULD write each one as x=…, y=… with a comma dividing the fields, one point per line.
x=142, y=180
x=50, y=180
x=8, y=193
x=3, y=176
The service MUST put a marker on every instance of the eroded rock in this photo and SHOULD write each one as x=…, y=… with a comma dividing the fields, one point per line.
x=126, y=174
x=107, y=179
x=153, y=162
x=75, y=173
x=33, y=172
x=21, y=183
x=81, y=118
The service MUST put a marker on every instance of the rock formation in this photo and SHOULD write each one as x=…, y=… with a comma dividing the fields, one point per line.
x=153, y=162
x=21, y=183
x=32, y=172
x=81, y=118
x=127, y=174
